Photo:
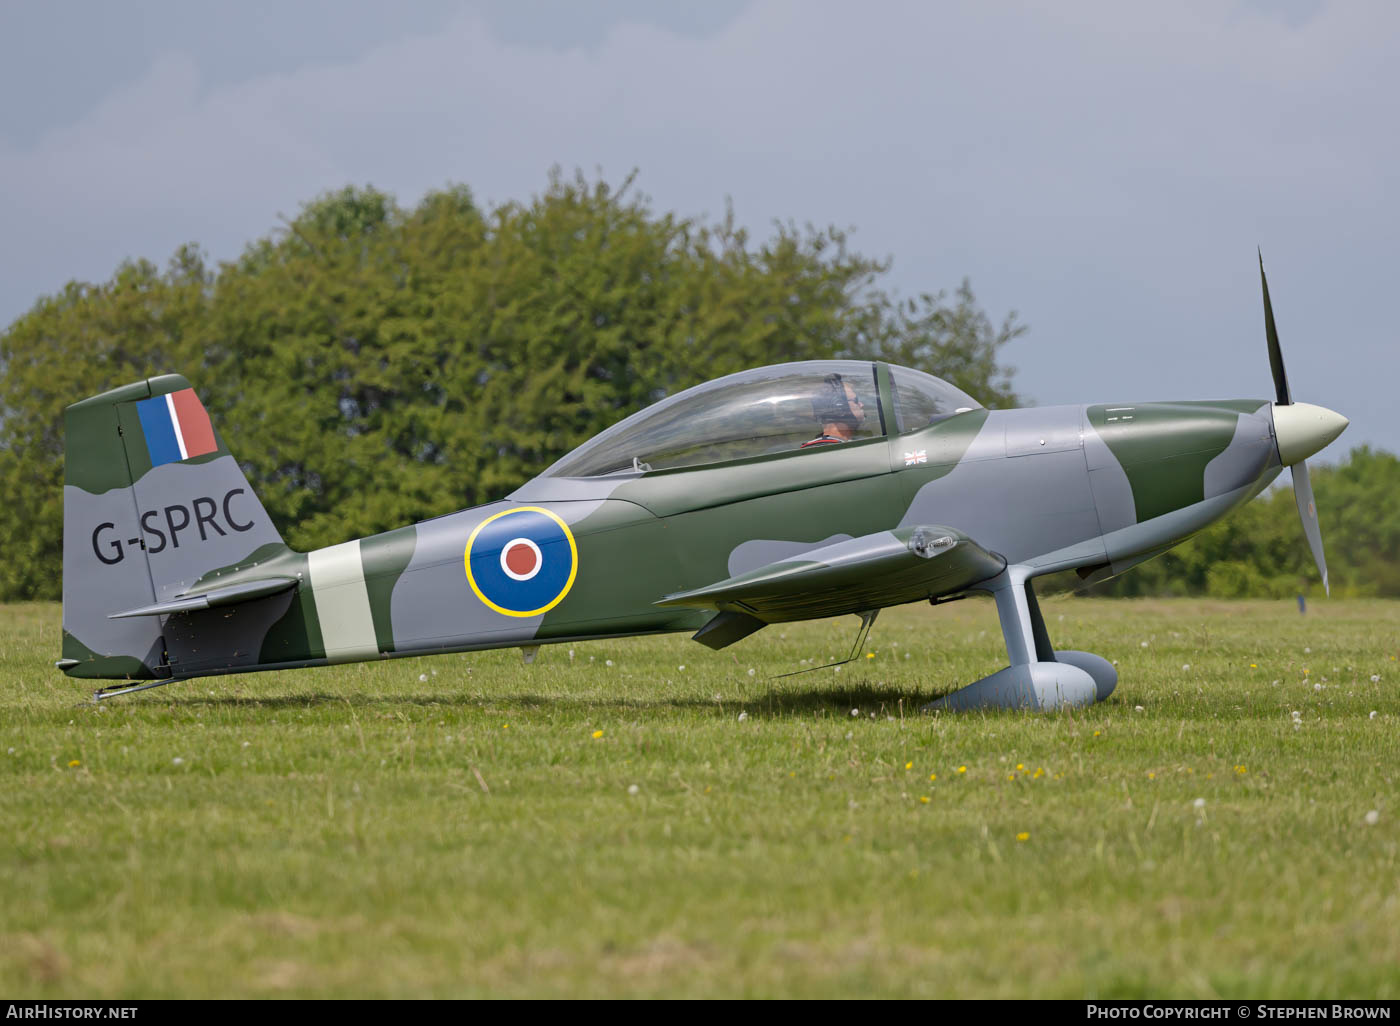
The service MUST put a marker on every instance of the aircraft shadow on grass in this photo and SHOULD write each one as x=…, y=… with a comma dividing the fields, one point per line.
x=779, y=702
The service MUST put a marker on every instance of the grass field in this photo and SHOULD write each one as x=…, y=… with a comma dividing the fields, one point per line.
x=649, y=818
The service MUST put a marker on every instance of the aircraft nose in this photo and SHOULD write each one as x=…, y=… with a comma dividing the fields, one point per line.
x=1303, y=429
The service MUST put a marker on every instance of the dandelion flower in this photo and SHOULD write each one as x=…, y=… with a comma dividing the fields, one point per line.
x=752, y=671
x=908, y=765
x=681, y=666
x=855, y=712
x=1185, y=666
x=73, y=763
x=1375, y=678
x=1151, y=776
x=933, y=776
x=1371, y=717
x=608, y=662
x=1020, y=766
x=743, y=716
x=1011, y=776
x=924, y=799
x=1024, y=835
x=597, y=734
x=1144, y=644
x=1254, y=666
x=422, y=678
x=962, y=769
x=1373, y=817
x=1097, y=733
x=633, y=789
x=1199, y=803
x=1241, y=770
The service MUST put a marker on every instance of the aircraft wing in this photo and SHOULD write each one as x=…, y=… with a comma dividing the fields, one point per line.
x=877, y=570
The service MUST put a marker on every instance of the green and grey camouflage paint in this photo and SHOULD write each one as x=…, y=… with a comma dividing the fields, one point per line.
x=186, y=550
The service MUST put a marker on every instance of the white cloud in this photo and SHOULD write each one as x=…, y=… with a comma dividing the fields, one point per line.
x=1106, y=168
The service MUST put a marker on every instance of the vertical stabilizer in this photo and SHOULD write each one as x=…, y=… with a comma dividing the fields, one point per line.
x=152, y=502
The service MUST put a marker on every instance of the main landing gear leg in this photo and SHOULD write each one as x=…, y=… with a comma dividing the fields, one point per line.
x=1039, y=677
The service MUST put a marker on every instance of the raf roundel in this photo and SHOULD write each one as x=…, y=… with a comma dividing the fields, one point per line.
x=521, y=562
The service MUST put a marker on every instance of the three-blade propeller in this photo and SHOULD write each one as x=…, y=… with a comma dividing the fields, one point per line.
x=1301, y=430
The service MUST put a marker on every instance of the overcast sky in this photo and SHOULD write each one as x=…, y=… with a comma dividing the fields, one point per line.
x=1104, y=168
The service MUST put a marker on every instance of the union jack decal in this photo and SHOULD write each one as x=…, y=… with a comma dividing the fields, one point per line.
x=917, y=456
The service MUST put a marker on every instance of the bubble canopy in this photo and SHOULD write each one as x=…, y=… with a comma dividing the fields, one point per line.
x=791, y=407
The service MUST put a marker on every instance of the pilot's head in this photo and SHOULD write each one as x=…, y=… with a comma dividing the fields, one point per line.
x=836, y=404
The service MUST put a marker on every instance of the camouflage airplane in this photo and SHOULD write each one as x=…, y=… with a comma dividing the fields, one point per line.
x=784, y=493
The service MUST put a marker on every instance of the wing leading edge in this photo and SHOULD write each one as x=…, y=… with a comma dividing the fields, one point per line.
x=887, y=568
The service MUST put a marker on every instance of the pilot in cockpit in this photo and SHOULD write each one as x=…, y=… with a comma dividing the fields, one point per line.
x=838, y=410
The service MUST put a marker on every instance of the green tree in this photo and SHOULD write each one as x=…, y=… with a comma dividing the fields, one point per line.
x=373, y=365
x=84, y=340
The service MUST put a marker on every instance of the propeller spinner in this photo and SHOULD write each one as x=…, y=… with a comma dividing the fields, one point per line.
x=1300, y=429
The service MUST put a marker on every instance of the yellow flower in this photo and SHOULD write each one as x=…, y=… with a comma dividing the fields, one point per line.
x=1240, y=769
x=1038, y=773
x=924, y=798
x=1254, y=666
x=908, y=765
x=505, y=726
x=1019, y=767
x=933, y=776
x=1151, y=776
x=870, y=655
x=73, y=763
x=1011, y=776
x=962, y=769
x=597, y=734
x=1024, y=835
x=1097, y=733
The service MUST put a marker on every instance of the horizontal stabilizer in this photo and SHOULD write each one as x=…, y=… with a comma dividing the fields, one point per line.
x=231, y=595
x=883, y=569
